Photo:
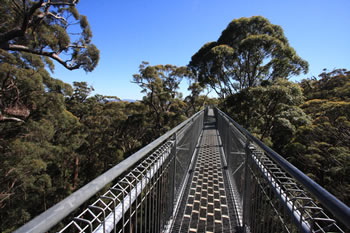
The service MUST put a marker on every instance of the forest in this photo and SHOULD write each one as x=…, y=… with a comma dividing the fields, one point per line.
x=56, y=137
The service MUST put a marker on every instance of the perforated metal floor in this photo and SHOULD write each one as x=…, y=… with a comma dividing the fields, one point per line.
x=206, y=207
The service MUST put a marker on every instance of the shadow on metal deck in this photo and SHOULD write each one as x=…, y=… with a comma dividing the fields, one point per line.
x=207, y=205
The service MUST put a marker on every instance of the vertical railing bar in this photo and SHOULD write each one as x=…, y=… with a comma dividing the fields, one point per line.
x=151, y=204
x=84, y=220
x=104, y=215
x=141, y=202
x=158, y=197
x=130, y=206
x=146, y=204
x=174, y=155
x=270, y=209
x=259, y=204
x=136, y=194
x=162, y=192
x=155, y=200
x=123, y=211
x=246, y=185
x=114, y=205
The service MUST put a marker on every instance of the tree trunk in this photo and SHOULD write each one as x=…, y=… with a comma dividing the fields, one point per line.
x=76, y=172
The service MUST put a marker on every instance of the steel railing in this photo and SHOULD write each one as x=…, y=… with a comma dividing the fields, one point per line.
x=142, y=198
x=271, y=195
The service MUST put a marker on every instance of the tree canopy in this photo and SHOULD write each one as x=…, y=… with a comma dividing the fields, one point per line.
x=160, y=83
x=321, y=148
x=32, y=34
x=272, y=112
x=56, y=137
x=46, y=28
x=70, y=137
x=249, y=51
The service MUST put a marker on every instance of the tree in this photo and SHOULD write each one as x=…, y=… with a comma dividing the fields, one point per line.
x=249, y=51
x=78, y=103
x=333, y=85
x=160, y=84
x=321, y=147
x=39, y=137
x=31, y=34
x=270, y=111
x=42, y=27
x=38, y=156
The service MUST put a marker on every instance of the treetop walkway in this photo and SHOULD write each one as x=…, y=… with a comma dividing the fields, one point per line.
x=208, y=174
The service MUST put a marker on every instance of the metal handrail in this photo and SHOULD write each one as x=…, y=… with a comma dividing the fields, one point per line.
x=59, y=211
x=340, y=210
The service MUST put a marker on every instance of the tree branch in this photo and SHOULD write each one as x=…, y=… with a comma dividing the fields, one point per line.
x=73, y=3
x=53, y=55
x=28, y=18
x=5, y=118
x=57, y=17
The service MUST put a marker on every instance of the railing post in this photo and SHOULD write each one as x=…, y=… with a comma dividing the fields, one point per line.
x=173, y=156
x=247, y=191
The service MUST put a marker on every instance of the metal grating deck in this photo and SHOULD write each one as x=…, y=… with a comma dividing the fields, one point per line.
x=206, y=208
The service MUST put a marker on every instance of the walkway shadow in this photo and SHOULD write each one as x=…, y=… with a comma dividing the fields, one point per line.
x=210, y=123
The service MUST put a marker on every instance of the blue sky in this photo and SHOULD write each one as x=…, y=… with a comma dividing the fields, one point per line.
x=170, y=32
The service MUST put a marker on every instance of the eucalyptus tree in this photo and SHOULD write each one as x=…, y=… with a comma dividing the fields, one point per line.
x=321, y=148
x=160, y=84
x=248, y=51
x=33, y=34
x=271, y=111
x=39, y=137
x=43, y=27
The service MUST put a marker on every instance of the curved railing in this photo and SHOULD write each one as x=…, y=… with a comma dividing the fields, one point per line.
x=146, y=185
x=271, y=194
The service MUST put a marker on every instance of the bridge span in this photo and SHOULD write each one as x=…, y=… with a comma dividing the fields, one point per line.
x=208, y=174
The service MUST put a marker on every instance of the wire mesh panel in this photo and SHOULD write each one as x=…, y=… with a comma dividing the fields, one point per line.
x=143, y=200
x=271, y=194
x=137, y=203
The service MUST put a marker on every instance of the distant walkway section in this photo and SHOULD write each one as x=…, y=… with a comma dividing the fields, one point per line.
x=206, y=206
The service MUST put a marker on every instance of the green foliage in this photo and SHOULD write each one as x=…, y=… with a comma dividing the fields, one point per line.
x=32, y=34
x=40, y=138
x=249, y=51
x=309, y=124
x=321, y=148
x=334, y=85
x=29, y=151
x=160, y=84
x=42, y=28
x=68, y=137
x=55, y=137
x=269, y=111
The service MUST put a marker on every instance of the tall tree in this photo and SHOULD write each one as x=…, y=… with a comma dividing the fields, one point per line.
x=248, y=51
x=160, y=83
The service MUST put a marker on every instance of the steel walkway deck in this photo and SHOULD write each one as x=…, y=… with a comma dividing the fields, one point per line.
x=207, y=205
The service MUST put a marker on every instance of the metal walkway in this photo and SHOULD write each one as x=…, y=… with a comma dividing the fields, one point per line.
x=207, y=174
x=207, y=207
